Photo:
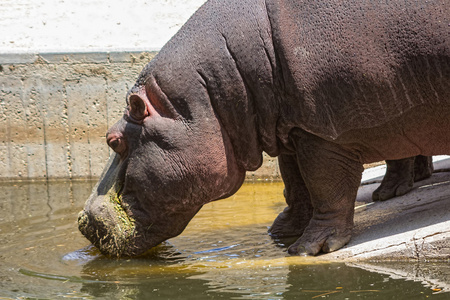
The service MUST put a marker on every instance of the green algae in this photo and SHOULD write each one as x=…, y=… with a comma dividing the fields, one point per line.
x=116, y=231
x=127, y=221
x=122, y=235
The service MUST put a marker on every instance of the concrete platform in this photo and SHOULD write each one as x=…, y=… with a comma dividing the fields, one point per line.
x=415, y=226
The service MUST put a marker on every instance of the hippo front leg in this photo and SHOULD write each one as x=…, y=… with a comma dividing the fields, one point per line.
x=293, y=220
x=332, y=174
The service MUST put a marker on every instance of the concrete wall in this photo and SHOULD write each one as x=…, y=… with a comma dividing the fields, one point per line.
x=55, y=109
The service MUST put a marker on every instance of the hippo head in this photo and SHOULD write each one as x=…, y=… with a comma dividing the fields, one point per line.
x=168, y=161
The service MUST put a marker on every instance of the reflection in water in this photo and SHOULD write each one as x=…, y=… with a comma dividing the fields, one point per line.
x=225, y=252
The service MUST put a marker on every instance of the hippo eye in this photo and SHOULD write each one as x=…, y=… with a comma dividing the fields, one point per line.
x=118, y=145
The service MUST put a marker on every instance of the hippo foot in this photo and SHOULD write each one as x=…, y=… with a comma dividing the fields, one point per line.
x=287, y=224
x=399, y=179
x=401, y=175
x=392, y=188
x=320, y=239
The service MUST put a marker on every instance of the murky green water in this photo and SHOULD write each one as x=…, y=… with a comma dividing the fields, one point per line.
x=224, y=253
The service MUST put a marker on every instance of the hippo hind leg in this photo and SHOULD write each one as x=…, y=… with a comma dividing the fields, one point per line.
x=398, y=180
x=401, y=175
x=332, y=174
x=423, y=167
x=293, y=220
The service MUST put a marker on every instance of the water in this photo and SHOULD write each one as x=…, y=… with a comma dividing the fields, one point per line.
x=225, y=253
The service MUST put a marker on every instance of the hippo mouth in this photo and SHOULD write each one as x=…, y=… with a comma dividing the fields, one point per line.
x=111, y=229
x=108, y=222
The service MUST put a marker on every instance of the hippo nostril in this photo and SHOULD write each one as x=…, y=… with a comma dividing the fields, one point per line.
x=117, y=144
x=114, y=143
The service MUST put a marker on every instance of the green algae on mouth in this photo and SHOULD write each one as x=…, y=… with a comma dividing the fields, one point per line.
x=113, y=232
x=122, y=235
x=127, y=222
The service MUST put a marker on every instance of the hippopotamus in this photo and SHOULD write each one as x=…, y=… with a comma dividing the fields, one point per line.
x=324, y=85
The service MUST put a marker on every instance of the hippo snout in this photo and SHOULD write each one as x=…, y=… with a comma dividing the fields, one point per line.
x=106, y=225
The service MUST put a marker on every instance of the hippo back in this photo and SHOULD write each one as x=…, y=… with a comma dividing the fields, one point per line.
x=358, y=64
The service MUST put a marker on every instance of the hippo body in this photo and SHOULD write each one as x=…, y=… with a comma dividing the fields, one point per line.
x=324, y=85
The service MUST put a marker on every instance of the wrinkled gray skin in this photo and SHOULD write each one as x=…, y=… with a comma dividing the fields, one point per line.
x=324, y=85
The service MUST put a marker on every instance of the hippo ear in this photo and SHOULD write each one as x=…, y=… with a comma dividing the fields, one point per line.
x=138, y=108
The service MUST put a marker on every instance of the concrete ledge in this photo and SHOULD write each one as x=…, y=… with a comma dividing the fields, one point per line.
x=61, y=58
x=17, y=58
x=101, y=57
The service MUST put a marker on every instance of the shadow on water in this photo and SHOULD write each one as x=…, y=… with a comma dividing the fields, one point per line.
x=225, y=252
